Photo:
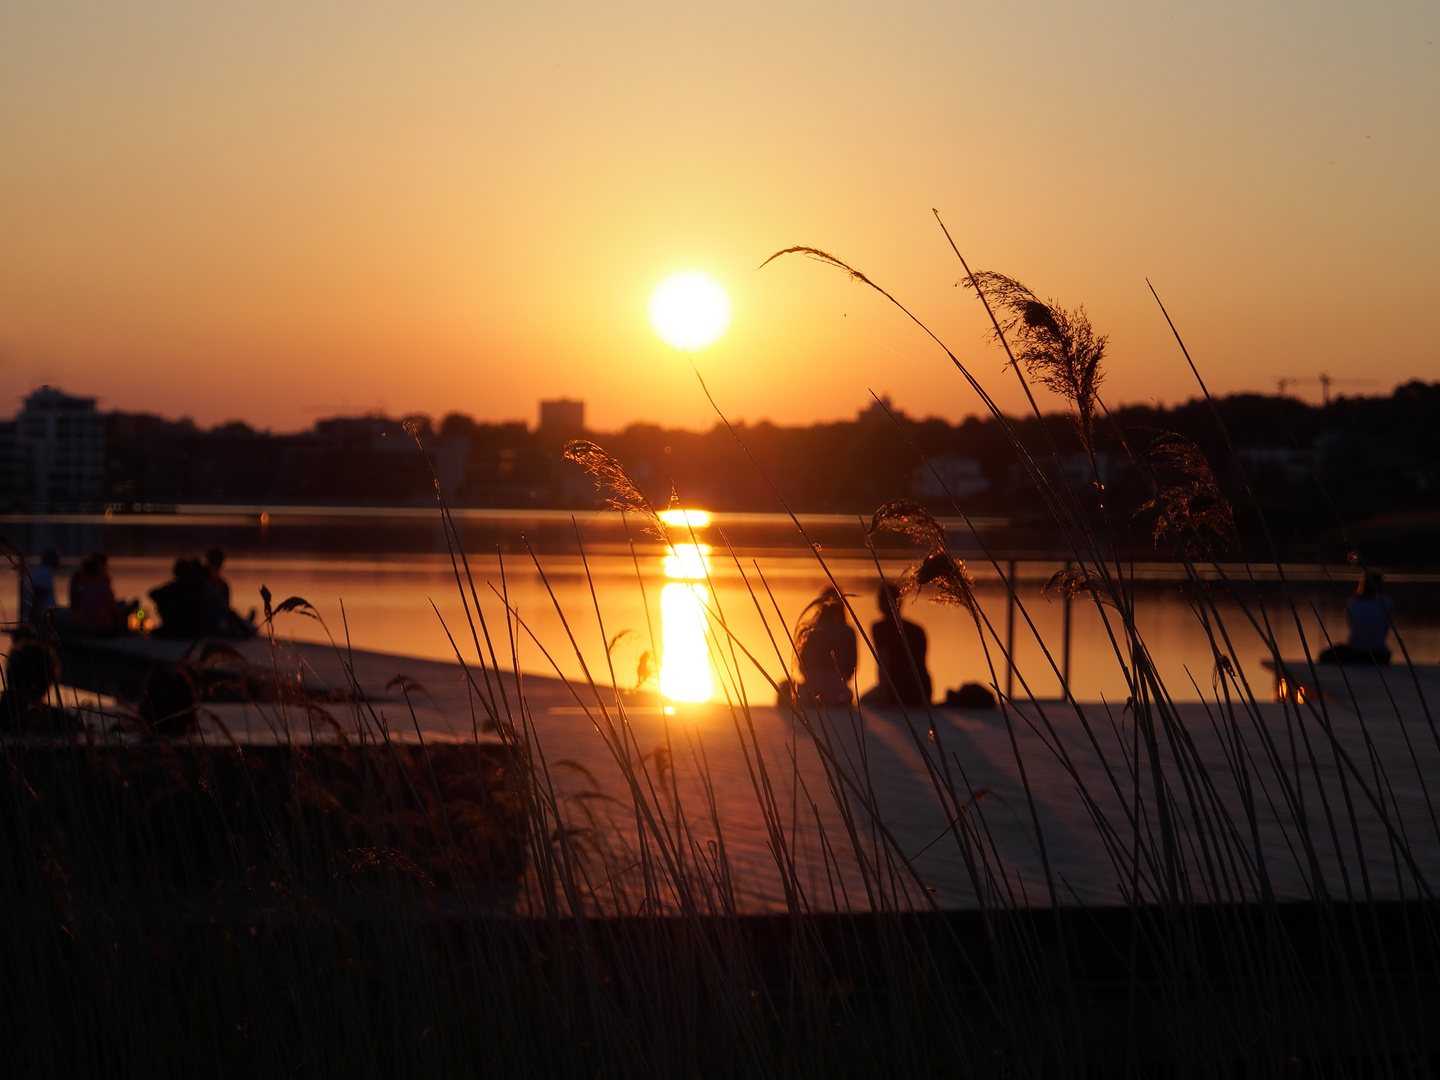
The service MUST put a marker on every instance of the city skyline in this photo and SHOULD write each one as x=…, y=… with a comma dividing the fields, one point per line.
x=1320, y=391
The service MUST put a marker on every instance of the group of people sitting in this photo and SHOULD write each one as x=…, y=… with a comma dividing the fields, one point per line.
x=825, y=655
x=825, y=650
x=194, y=603
x=94, y=608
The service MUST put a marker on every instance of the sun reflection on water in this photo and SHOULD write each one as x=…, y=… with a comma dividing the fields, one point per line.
x=688, y=562
x=685, y=654
x=694, y=518
x=685, y=671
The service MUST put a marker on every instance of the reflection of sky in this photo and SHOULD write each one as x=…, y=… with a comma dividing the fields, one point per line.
x=387, y=608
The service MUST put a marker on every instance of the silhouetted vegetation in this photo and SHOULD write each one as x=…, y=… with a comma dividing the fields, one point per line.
x=234, y=942
x=1377, y=460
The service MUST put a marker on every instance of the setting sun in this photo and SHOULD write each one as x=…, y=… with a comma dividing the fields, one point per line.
x=689, y=309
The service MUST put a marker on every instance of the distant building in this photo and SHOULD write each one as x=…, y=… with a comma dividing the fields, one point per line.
x=59, y=450
x=1288, y=463
x=562, y=417
x=948, y=476
x=1072, y=470
x=881, y=411
x=1108, y=470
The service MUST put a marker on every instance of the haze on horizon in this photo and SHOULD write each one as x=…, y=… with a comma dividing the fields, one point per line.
x=274, y=212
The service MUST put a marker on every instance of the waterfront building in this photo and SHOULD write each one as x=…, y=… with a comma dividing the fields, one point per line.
x=58, y=454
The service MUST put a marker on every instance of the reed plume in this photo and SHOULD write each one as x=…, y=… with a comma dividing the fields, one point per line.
x=614, y=483
x=1058, y=348
x=947, y=575
x=1075, y=580
x=1187, y=495
x=909, y=519
x=825, y=257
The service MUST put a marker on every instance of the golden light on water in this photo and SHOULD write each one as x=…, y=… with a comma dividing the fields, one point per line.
x=695, y=519
x=685, y=671
x=689, y=309
x=685, y=653
x=688, y=561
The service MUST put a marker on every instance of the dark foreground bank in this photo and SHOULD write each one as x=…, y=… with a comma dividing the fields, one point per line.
x=1092, y=993
x=353, y=910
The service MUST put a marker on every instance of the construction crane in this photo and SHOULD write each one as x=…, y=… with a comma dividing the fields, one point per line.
x=1326, y=381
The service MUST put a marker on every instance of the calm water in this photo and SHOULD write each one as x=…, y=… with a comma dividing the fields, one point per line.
x=383, y=601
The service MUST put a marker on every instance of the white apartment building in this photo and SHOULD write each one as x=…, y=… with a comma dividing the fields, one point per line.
x=59, y=449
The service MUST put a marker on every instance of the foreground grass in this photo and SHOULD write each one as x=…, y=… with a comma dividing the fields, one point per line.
x=379, y=909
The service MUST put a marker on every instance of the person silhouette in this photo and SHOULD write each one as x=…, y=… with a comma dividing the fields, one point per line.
x=900, y=647
x=233, y=624
x=1367, y=617
x=214, y=560
x=825, y=653
x=93, y=607
x=189, y=605
x=37, y=593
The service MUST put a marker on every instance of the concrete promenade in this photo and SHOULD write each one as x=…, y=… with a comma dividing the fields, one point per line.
x=1325, y=794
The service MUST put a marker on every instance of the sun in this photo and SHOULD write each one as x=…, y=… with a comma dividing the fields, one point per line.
x=689, y=309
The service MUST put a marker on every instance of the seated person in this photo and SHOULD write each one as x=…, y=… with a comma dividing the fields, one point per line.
x=236, y=625
x=900, y=653
x=189, y=605
x=37, y=592
x=214, y=560
x=93, y=607
x=824, y=654
x=1367, y=614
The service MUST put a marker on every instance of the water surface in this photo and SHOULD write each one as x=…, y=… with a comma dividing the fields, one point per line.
x=605, y=612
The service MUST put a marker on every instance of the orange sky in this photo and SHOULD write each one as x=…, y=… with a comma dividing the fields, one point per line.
x=278, y=211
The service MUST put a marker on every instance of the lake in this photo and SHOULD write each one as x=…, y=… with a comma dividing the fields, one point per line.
x=383, y=581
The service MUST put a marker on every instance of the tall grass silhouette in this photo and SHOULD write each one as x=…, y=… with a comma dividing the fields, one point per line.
x=1265, y=905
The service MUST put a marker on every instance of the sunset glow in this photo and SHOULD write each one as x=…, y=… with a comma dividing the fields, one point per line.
x=421, y=332
x=690, y=310
x=280, y=213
